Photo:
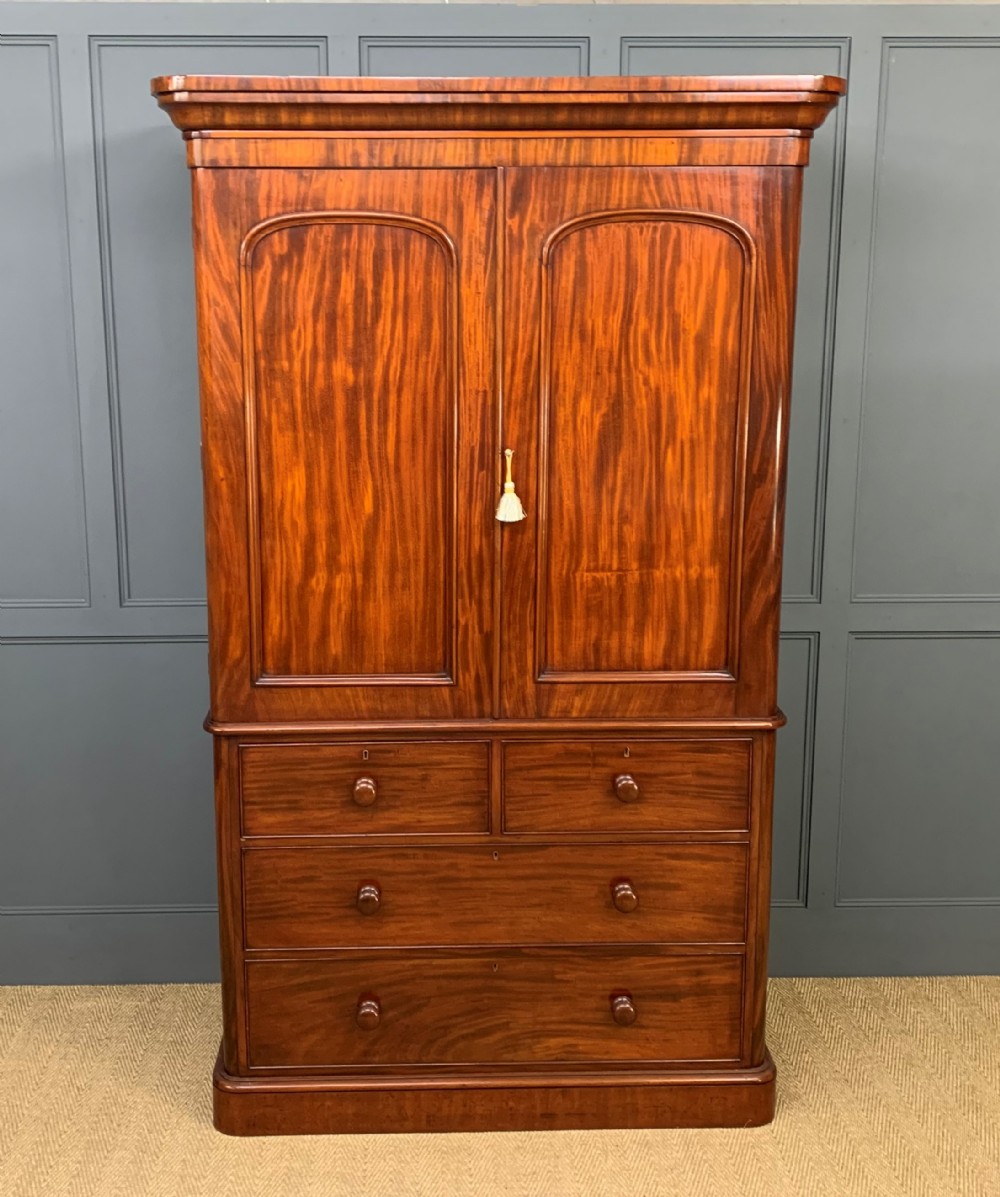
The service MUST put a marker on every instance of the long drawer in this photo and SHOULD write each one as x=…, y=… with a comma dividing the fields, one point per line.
x=400, y=787
x=646, y=786
x=515, y=893
x=531, y=1007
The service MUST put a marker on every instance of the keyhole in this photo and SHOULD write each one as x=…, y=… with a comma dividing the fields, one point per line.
x=496, y=855
x=627, y=752
x=364, y=755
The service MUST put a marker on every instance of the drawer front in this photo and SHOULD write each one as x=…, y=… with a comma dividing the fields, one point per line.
x=502, y=1008
x=365, y=789
x=661, y=785
x=367, y=897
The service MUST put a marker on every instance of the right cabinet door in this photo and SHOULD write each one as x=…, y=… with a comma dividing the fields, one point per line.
x=647, y=319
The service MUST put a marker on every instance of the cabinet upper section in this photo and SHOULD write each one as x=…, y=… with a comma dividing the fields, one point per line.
x=792, y=104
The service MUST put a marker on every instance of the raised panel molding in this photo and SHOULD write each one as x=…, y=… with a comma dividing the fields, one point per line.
x=803, y=719
x=315, y=61
x=924, y=755
x=451, y=368
x=835, y=129
x=965, y=317
x=43, y=532
x=474, y=55
x=746, y=289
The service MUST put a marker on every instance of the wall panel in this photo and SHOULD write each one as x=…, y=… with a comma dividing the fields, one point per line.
x=928, y=482
x=43, y=538
x=144, y=209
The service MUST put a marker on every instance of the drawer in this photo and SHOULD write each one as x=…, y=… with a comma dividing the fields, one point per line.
x=660, y=785
x=365, y=789
x=513, y=894
x=531, y=1007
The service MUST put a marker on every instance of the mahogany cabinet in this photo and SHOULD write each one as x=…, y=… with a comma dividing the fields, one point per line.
x=494, y=796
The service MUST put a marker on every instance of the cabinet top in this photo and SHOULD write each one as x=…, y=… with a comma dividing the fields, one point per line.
x=208, y=103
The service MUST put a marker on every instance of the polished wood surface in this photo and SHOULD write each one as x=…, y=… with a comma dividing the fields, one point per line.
x=506, y=88
x=283, y=1104
x=416, y=148
x=656, y=455
x=642, y=391
x=354, y=532
x=786, y=102
x=309, y=897
x=633, y=785
x=494, y=800
x=500, y=1008
x=366, y=788
x=343, y=507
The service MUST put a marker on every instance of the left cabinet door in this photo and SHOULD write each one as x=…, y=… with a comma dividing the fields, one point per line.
x=346, y=331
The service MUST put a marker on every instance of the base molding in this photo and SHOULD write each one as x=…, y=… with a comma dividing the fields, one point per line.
x=321, y=1105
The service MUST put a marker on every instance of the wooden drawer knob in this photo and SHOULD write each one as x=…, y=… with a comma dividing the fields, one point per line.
x=626, y=788
x=364, y=791
x=624, y=896
x=369, y=1014
x=623, y=1010
x=369, y=898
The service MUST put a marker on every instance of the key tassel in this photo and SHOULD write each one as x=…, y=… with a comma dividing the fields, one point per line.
x=509, y=509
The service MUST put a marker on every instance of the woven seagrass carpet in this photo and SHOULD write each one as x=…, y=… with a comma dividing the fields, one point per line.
x=887, y=1086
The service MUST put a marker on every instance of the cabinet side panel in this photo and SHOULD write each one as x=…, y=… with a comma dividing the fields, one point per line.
x=758, y=897
x=216, y=214
x=227, y=835
x=778, y=196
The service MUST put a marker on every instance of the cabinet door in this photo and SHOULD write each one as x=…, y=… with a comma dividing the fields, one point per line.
x=647, y=320
x=348, y=387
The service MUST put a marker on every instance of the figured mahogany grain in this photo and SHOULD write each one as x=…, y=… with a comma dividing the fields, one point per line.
x=546, y=1005
x=297, y=149
x=642, y=396
x=655, y=413
x=308, y=897
x=284, y=1104
x=427, y=720
x=354, y=421
x=341, y=504
x=420, y=787
x=198, y=102
x=564, y=786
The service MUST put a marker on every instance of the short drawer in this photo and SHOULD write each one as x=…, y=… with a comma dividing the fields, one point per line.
x=513, y=894
x=556, y=1005
x=365, y=789
x=634, y=786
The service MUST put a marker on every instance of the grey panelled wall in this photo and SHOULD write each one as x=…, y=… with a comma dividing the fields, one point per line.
x=888, y=816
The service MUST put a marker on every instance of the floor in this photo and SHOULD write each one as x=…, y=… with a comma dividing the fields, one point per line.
x=887, y=1086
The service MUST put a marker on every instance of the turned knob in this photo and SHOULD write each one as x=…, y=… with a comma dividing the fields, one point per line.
x=369, y=1014
x=626, y=788
x=623, y=1010
x=369, y=898
x=624, y=896
x=364, y=791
